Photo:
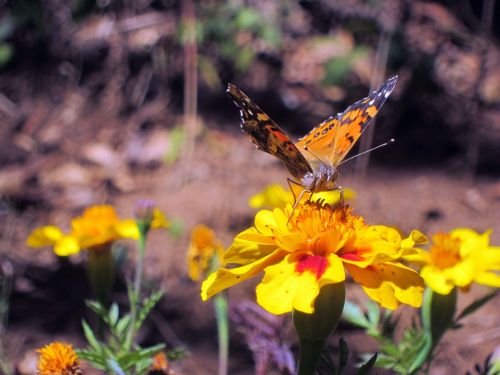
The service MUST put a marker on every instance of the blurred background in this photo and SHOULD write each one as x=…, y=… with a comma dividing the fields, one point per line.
x=110, y=101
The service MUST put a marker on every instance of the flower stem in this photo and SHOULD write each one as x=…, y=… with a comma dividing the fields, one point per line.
x=310, y=352
x=135, y=293
x=220, y=304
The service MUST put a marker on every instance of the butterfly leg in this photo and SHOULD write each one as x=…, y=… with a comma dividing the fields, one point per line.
x=290, y=182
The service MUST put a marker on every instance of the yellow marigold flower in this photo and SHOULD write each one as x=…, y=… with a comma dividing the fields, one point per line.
x=312, y=248
x=58, y=359
x=99, y=225
x=459, y=258
x=275, y=195
x=203, y=247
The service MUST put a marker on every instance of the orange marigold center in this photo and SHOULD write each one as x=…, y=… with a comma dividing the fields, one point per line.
x=445, y=251
x=58, y=359
x=95, y=221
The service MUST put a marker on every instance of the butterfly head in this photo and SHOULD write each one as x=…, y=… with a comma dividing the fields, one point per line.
x=323, y=180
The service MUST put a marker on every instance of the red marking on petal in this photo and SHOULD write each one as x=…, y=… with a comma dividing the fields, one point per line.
x=352, y=256
x=314, y=263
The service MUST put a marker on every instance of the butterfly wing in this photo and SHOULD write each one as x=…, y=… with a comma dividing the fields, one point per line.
x=267, y=135
x=318, y=143
x=355, y=119
x=331, y=140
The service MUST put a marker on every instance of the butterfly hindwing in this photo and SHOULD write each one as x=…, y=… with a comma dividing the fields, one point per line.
x=267, y=135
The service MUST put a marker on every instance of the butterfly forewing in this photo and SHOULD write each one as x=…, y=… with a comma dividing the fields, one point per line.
x=330, y=141
x=267, y=135
x=354, y=120
x=318, y=143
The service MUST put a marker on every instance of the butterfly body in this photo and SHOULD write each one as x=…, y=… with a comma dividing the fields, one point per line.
x=314, y=159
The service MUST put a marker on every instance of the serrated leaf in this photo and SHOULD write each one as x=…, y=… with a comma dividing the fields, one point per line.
x=365, y=369
x=148, y=304
x=91, y=339
x=475, y=305
x=423, y=353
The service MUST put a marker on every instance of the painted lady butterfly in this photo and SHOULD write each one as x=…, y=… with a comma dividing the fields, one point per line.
x=315, y=158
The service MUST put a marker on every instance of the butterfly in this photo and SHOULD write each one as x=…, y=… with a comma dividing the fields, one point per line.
x=314, y=159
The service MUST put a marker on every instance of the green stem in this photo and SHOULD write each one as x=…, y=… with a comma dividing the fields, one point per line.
x=310, y=352
x=220, y=304
x=135, y=294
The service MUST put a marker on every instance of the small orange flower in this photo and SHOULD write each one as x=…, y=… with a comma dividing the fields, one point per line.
x=58, y=359
x=160, y=365
x=458, y=259
x=203, y=248
x=99, y=225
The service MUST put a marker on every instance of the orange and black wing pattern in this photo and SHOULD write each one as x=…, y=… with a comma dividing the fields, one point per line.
x=267, y=135
x=331, y=140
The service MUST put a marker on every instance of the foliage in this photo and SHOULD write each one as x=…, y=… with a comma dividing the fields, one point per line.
x=327, y=365
x=118, y=354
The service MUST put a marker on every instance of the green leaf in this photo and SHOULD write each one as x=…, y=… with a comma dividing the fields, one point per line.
x=91, y=339
x=115, y=367
x=353, y=314
x=113, y=315
x=122, y=325
x=423, y=353
x=373, y=313
x=365, y=369
x=99, y=309
x=475, y=305
x=96, y=360
x=147, y=306
x=128, y=360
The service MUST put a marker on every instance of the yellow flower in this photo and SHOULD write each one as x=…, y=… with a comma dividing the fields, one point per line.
x=99, y=225
x=203, y=247
x=459, y=258
x=58, y=359
x=310, y=249
x=275, y=195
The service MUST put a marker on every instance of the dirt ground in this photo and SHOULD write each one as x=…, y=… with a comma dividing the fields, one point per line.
x=212, y=186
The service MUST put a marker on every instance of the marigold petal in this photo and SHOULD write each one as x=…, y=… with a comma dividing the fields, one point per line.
x=127, y=229
x=436, y=279
x=273, y=195
x=488, y=279
x=390, y=284
x=462, y=273
x=67, y=245
x=159, y=220
x=263, y=220
x=284, y=288
x=224, y=278
x=488, y=259
x=415, y=238
x=249, y=246
x=471, y=241
x=44, y=236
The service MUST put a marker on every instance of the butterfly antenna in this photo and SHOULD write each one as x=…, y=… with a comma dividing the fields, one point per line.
x=390, y=141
